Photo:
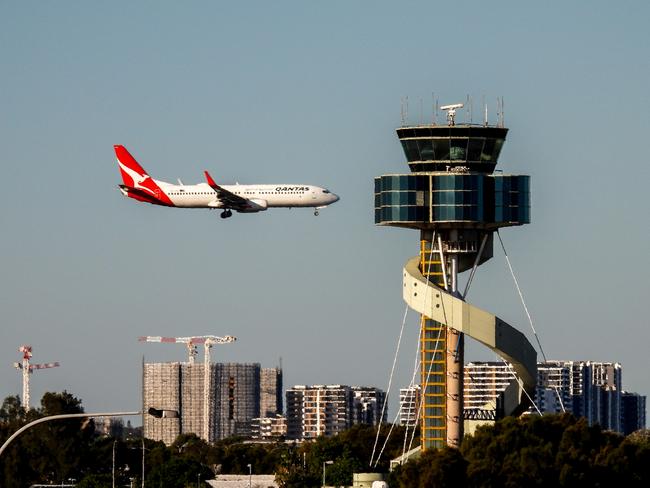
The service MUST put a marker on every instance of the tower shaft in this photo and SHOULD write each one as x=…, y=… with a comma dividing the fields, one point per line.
x=441, y=352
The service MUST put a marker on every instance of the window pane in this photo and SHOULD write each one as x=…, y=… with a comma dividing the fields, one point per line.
x=411, y=150
x=426, y=149
x=488, y=149
x=498, y=144
x=443, y=182
x=458, y=150
x=474, y=149
x=441, y=149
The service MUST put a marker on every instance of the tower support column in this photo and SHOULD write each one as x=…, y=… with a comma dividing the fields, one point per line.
x=455, y=361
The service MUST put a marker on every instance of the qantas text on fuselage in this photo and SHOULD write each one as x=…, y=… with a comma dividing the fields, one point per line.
x=137, y=184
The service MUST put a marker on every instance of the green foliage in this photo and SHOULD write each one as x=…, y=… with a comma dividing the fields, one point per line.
x=444, y=468
x=96, y=481
x=290, y=471
x=533, y=451
x=350, y=452
x=47, y=452
x=177, y=473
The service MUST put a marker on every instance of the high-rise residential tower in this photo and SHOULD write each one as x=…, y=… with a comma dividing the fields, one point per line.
x=409, y=404
x=633, y=408
x=367, y=403
x=484, y=385
x=326, y=410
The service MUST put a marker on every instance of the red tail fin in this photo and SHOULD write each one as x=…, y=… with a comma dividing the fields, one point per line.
x=137, y=183
x=210, y=181
x=130, y=170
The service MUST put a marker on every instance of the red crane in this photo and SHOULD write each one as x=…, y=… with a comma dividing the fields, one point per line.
x=28, y=369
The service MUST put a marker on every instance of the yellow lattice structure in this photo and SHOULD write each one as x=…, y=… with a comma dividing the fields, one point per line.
x=433, y=371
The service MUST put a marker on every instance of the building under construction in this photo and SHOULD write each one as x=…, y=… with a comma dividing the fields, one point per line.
x=216, y=405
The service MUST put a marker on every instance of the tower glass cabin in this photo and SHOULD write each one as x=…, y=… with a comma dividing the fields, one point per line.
x=455, y=199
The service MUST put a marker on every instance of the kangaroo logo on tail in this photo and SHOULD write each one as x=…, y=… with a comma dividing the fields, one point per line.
x=133, y=174
x=137, y=180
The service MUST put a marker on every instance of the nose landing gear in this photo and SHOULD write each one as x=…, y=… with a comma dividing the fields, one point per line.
x=316, y=213
x=226, y=213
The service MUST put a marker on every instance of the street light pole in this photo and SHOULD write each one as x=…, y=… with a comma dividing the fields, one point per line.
x=114, y=443
x=325, y=463
x=61, y=417
x=143, y=456
x=250, y=474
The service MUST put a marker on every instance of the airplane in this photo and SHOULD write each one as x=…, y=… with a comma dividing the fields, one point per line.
x=137, y=184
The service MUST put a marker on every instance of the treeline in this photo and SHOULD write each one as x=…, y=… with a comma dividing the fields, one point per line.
x=63, y=450
x=532, y=451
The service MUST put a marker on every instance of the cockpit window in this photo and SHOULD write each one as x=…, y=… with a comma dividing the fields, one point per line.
x=326, y=191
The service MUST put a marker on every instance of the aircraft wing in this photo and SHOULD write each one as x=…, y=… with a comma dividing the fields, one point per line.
x=228, y=198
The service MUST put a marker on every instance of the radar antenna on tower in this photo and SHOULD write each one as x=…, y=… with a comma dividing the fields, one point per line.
x=451, y=112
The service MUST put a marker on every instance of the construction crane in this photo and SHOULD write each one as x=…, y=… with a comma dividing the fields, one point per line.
x=192, y=343
x=192, y=348
x=28, y=369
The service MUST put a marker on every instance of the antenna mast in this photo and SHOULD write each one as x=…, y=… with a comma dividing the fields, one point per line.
x=485, y=116
x=503, y=114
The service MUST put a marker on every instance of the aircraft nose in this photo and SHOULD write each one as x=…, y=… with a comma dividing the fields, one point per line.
x=335, y=198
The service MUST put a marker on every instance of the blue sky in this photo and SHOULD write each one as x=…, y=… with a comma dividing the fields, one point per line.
x=306, y=93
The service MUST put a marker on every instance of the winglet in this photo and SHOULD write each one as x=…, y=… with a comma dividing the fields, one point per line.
x=210, y=181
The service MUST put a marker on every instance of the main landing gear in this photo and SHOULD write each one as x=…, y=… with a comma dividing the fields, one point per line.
x=226, y=213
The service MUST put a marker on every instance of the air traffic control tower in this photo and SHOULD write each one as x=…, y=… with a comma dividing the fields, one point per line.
x=455, y=199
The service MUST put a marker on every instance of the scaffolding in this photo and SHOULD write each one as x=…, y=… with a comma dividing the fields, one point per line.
x=234, y=397
x=162, y=387
x=237, y=399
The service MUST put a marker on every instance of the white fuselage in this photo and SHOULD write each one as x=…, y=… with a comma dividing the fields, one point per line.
x=202, y=195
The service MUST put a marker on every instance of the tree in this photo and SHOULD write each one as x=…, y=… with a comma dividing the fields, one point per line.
x=291, y=473
x=96, y=481
x=177, y=473
x=443, y=468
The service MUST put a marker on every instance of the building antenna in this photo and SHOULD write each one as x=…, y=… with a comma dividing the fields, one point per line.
x=421, y=111
x=405, y=110
x=485, y=117
x=433, y=108
x=498, y=111
x=468, y=110
x=435, y=117
x=471, y=110
x=503, y=114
